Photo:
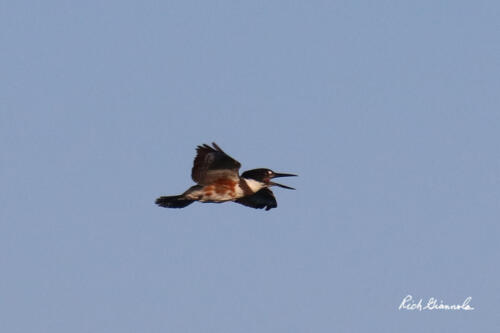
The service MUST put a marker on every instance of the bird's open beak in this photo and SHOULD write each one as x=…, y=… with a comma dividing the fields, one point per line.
x=277, y=175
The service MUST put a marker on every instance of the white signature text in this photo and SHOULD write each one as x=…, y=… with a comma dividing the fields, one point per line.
x=432, y=303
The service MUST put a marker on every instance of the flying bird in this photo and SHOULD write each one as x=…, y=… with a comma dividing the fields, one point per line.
x=218, y=180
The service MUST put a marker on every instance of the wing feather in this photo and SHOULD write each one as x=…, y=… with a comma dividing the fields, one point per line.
x=261, y=199
x=212, y=163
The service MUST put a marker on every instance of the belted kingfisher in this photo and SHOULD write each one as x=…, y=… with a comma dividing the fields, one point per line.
x=217, y=176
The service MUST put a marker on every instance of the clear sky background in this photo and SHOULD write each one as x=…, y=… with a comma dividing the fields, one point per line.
x=388, y=110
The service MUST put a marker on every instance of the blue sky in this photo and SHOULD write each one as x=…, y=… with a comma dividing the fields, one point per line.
x=388, y=111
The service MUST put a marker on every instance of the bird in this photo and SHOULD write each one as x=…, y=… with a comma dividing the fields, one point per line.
x=218, y=180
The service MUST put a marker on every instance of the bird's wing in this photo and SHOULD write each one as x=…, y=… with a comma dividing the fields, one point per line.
x=211, y=163
x=261, y=199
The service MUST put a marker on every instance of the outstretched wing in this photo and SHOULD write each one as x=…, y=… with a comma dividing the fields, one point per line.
x=211, y=163
x=261, y=199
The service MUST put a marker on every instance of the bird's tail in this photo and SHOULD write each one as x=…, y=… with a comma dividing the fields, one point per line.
x=174, y=201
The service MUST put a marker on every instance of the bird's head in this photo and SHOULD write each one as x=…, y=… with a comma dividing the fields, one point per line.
x=265, y=175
